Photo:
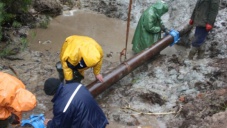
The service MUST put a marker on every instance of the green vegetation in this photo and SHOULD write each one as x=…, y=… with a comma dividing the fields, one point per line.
x=14, y=14
x=33, y=33
x=11, y=18
x=1, y=19
x=24, y=43
x=44, y=23
x=5, y=52
x=16, y=24
x=10, y=11
x=13, y=8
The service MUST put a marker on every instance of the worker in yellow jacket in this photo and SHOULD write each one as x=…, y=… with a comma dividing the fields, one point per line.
x=14, y=99
x=79, y=53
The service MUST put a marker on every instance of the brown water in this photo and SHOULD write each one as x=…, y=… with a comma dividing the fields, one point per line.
x=108, y=32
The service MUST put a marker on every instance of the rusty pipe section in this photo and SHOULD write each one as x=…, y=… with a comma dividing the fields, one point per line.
x=129, y=65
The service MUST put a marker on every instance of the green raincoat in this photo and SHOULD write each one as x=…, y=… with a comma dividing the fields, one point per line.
x=148, y=30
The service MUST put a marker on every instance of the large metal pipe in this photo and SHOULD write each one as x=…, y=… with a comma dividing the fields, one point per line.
x=129, y=65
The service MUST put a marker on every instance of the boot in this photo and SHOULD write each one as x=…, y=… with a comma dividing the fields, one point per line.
x=60, y=71
x=201, y=52
x=192, y=53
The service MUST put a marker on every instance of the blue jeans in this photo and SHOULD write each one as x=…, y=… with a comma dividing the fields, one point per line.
x=199, y=36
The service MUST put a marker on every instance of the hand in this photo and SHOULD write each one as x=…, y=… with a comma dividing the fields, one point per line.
x=166, y=30
x=14, y=119
x=99, y=77
x=166, y=34
x=208, y=27
x=156, y=29
x=46, y=121
x=191, y=22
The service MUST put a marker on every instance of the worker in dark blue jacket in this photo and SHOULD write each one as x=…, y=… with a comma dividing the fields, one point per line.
x=74, y=106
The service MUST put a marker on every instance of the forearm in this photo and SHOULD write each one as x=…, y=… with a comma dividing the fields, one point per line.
x=97, y=68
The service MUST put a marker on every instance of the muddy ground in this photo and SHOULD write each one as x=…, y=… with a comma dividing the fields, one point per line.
x=168, y=91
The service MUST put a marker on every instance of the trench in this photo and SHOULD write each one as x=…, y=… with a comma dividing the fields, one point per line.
x=111, y=34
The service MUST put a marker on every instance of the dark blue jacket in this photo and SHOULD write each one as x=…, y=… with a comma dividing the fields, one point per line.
x=82, y=112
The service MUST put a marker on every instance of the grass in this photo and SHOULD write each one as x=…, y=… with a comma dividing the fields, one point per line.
x=24, y=43
x=5, y=52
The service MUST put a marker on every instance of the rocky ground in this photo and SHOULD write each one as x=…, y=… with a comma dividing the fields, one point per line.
x=168, y=91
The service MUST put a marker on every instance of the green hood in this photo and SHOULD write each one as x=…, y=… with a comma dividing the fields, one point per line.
x=160, y=7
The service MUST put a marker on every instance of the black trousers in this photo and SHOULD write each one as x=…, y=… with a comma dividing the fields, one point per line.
x=77, y=77
x=4, y=123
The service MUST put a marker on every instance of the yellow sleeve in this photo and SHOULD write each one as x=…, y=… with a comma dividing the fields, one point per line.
x=64, y=55
x=97, y=67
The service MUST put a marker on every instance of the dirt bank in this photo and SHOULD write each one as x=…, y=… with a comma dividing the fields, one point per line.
x=168, y=91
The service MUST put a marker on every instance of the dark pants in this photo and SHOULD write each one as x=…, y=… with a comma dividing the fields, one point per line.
x=77, y=77
x=4, y=123
x=13, y=119
x=199, y=36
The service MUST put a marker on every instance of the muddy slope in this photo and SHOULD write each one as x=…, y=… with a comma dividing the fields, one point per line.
x=165, y=92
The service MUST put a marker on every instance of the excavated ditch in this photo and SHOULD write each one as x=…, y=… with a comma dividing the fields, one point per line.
x=168, y=91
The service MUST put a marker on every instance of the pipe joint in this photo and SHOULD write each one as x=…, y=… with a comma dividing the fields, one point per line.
x=176, y=36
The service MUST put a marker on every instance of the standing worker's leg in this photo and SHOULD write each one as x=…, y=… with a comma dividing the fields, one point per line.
x=199, y=38
x=201, y=51
x=192, y=53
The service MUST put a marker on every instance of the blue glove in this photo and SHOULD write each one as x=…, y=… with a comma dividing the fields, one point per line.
x=37, y=121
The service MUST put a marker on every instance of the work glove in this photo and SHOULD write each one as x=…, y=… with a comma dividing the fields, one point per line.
x=191, y=22
x=166, y=32
x=156, y=30
x=208, y=27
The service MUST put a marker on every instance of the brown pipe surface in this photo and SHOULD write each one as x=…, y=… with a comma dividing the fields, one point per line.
x=129, y=65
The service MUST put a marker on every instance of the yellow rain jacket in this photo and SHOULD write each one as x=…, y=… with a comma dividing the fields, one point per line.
x=14, y=98
x=77, y=47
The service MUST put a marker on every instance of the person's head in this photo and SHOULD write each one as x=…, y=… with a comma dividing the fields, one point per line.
x=51, y=86
x=161, y=8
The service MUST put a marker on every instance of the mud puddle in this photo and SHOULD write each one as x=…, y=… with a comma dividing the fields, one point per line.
x=110, y=33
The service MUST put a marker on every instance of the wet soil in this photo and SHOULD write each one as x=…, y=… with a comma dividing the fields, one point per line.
x=168, y=91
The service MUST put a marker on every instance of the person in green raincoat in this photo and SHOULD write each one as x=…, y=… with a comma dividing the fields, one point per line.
x=148, y=30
